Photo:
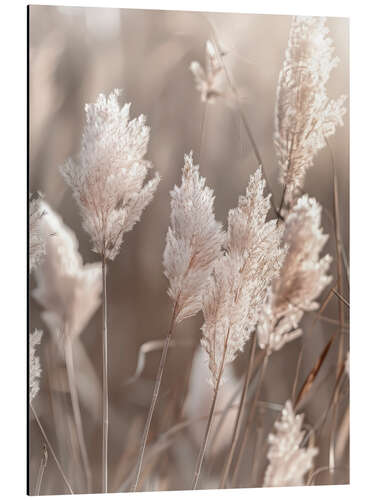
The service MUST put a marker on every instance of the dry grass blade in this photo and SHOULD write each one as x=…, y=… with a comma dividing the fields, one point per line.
x=335, y=394
x=146, y=348
x=340, y=297
x=300, y=356
x=66, y=481
x=306, y=386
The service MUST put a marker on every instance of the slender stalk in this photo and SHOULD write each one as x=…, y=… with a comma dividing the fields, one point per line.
x=258, y=451
x=202, y=450
x=203, y=447
x=59, y=406
x=340, y=352
x=296, y=377
x=230, y=405
x=51, y=450
x=42, y=468
x=250, y=417
x=76, y=409
x=105, y=379
x=236, y=429
x=155, y=394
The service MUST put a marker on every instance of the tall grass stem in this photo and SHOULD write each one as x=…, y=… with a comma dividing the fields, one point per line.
x=236, y=429
x=105, y=380
x=42, y=468
x=250, y=418
x=76, y=410
x=203, y=447
x=66, y=481
x=155, y=394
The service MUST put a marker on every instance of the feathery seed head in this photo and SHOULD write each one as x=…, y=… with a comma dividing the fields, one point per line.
x=34, y=364
x=107, y=177
x=37, y=244
x=303, y=276
x=193, y=242
x=68, y=290
x=208, y=82
x=304, y=115
x=288, y=462
x=238, y=285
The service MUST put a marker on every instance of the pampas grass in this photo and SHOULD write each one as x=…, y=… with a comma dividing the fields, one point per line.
x=107, y=182
x=193, y=244
x=243, y=292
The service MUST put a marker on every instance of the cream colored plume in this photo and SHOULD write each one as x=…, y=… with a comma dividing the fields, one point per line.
x=107, y=177
x=288, y=461
x=193, y=242
x=68, y=290
x=302, y=278
x=305, y=117
x=237, y=288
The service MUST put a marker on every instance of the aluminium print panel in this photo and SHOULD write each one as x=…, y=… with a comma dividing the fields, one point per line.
x=188, y=250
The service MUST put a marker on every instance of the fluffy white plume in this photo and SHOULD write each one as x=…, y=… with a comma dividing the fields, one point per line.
x=35, y=369
x=238, y=285
x=68, y=290
x=107, y=177
x=302, y=278
x=37, y=246
x=288, y=462
x=193, y=242
x=208, y=82
x=304, y=115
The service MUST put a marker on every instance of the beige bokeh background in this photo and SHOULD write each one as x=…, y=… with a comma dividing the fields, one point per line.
x=76, y=53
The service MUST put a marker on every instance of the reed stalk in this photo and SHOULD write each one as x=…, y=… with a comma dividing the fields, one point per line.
x=42, y=468
x=66, y=481
x=340, y=352
x=155, y=394
x=105, y=379
x=250, y=417
x=236, y=429
x=76, y=410
x=203, y=447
